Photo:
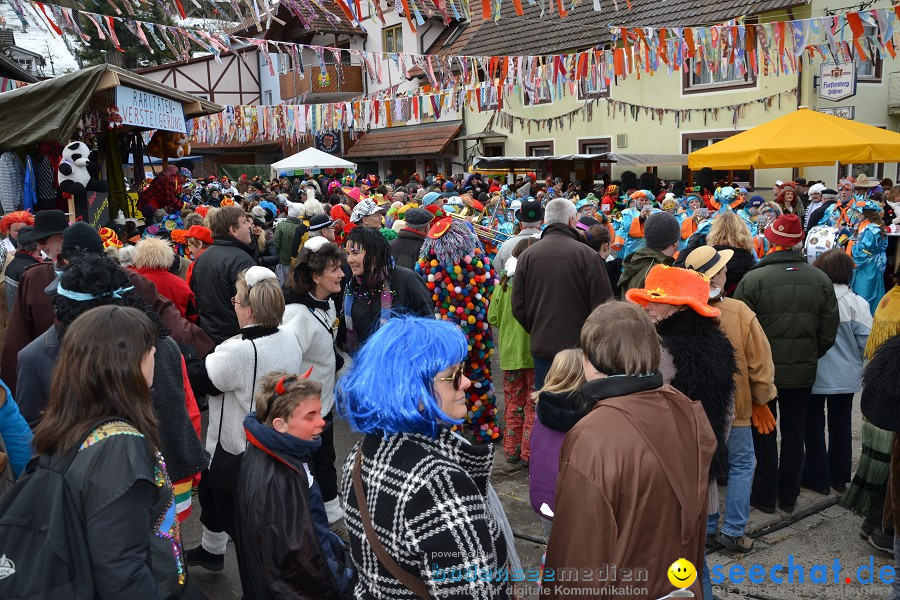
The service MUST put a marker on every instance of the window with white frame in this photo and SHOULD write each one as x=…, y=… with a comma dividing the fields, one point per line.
x=539, y=148
x=592, y=87
x=594, y=146
x=707, y=80
x=872, y=170
x=867, y=69
x=691, y=142
x=535, y=95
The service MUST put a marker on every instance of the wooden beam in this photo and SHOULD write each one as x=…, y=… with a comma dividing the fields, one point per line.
x=108, y=80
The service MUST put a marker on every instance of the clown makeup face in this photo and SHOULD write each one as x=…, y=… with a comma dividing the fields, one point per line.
x=694, y=203
x=845, y=194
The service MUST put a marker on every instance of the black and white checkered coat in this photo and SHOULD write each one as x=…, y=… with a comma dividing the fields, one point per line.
x=427, y=500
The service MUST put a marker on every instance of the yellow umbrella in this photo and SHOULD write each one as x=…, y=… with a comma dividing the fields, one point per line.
x=804, y=138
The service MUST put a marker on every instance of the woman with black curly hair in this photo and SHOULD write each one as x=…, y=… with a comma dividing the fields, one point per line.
x=90, y=281
x=378, y=287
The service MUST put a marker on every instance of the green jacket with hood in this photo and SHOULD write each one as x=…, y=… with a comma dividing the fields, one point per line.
x=636, y=266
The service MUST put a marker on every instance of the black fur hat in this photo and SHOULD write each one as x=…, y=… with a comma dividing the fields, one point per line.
x=648, y=181
x=629, y=181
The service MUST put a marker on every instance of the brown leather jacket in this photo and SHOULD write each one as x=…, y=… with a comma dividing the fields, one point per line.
x=631, y=492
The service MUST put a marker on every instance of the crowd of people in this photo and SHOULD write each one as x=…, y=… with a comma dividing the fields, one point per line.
x=652, y=339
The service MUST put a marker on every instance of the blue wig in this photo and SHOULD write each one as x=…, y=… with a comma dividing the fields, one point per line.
x=390, y=387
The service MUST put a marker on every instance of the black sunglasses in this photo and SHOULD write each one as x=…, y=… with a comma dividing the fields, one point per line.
x=456, y=378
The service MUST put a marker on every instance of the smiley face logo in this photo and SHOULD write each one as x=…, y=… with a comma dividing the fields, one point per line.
x=682, y=573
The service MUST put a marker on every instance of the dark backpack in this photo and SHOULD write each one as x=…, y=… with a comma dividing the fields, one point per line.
x=43, y=546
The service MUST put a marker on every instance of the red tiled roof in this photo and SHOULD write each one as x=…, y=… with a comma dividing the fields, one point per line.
x=409, y=140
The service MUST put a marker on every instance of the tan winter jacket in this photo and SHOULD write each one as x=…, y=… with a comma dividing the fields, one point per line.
x=756, y=378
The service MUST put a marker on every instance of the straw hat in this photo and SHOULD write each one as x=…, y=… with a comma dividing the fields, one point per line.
x=677, y=287
x=863, y=181
x=707, y=261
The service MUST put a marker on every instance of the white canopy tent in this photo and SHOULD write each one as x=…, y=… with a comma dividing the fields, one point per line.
x=309, y=160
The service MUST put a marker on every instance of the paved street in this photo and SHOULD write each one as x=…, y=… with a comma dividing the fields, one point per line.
x=817, y=533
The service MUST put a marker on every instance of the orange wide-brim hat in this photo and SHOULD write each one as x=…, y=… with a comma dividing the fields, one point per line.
x=678, y=287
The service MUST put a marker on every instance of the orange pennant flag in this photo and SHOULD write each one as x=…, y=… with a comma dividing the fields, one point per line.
x=406, y=11
x=856, y=24
x=689, y=40
x=485, y=9
x=619, y=62
x=517, y=4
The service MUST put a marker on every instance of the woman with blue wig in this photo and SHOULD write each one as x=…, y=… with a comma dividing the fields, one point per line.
x=417, y=498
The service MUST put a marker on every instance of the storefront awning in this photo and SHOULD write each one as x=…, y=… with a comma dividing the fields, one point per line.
x=620, y=158
x=410, y=140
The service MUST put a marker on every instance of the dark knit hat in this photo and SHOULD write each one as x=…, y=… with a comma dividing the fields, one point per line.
x=661, y=230
x=81, y=235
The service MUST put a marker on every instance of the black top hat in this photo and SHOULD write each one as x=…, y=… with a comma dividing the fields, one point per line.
x=531, y=211
x=46, y=224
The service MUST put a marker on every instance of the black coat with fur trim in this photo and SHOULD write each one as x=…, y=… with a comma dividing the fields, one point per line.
x=880, y=400
x=704, y=366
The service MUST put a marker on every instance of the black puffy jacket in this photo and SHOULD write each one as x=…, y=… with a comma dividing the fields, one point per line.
x=213, y=282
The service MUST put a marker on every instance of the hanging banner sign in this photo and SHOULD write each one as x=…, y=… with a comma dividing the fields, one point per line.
x=837, y=81
x=149, y=111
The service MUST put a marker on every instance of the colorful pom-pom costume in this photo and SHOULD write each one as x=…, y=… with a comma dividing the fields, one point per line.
x=459, y=276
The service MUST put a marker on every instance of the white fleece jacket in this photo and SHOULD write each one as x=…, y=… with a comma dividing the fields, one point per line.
x=316, y=346
x=230, y=369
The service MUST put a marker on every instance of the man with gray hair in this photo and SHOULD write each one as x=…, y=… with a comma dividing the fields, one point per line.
x=559, y=281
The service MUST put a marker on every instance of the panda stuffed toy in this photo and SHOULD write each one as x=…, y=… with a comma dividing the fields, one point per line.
x=79, y=173
x=74, y=176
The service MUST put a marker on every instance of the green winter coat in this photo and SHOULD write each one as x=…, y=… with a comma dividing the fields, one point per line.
x=796, y=306
x=515, y=343
x=636, y=266
x=284, y=238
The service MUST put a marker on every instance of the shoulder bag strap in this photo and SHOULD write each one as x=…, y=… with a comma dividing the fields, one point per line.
x=413, y=583
x=253, y=385
x=252, y=393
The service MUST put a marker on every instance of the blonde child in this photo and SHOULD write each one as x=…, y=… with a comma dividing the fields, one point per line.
x=559, y=407
x=516, y=362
